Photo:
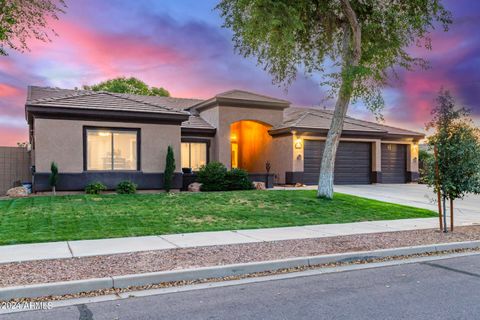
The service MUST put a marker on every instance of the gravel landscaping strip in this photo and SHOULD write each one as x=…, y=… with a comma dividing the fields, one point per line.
x=24, y=273
x=130, y=291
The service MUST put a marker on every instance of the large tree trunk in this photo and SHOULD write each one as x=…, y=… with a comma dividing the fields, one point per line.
x=351, y=53
x=325, y=181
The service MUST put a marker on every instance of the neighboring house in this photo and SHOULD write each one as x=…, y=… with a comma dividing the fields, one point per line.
x=109, y=137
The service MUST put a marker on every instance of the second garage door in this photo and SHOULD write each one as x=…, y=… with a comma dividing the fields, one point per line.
x=352, y=164
x=394, y=163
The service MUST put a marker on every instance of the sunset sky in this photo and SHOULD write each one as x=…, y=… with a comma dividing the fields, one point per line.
x=180, y=45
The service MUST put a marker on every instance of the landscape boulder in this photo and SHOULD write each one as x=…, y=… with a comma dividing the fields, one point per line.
x=259, y=185
x=17, y=192
x=194, y=187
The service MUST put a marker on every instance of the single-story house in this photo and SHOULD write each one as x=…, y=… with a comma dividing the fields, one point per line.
x=110, y=137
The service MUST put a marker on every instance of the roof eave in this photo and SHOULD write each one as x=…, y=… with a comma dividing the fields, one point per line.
x=102, y=115
x=209, y=132
x=323, y=131
x=228, y=102
x=412, y=135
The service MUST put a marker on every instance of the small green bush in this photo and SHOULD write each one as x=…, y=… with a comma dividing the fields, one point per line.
x=237, y=179
x=126, y=187
x=212, y=177
x=95, y=188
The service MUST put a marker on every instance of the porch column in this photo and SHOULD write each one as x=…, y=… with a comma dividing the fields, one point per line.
x=412, y=162
x=377, y=161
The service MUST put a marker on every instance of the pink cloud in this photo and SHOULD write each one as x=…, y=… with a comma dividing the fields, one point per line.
x=8, y=90
x=108, y=54
x=10, y=136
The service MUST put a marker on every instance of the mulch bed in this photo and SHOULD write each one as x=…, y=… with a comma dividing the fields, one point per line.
x=32, y=272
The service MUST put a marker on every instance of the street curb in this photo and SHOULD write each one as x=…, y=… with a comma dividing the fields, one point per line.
x=55, y=288
x=77, y=286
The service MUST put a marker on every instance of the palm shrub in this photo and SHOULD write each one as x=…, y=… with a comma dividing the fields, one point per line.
x=212, y=177
x=237, y=179
x=126, y=187
x=53, y=178
x=169, y=170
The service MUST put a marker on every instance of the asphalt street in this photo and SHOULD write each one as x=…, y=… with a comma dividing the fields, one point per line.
x=441, y=289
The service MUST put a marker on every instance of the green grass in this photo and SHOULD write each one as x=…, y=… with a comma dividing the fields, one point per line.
x=39, y=219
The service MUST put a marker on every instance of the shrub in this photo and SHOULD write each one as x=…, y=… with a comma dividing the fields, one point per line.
x=237, y=179
x=95, y=188
x=126, y=187
x=212, y=177
x=169, y=169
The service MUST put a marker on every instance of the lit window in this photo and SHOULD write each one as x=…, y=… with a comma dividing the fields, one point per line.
x=194, y=155
x=111, y=149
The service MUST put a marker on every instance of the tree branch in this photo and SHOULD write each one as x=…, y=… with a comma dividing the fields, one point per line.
x=356, y=30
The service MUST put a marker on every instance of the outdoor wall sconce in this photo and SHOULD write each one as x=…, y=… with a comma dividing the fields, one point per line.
x=298, y=144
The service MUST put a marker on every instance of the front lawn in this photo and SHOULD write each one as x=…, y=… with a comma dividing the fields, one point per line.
x=40, y=219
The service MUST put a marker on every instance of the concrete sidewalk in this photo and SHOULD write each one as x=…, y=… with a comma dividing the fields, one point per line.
x=84, y=248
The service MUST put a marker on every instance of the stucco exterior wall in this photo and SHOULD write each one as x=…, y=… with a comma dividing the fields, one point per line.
x=282, y=157
x=62, y=141
x=211, y=116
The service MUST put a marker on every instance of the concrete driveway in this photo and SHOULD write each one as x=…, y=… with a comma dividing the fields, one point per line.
x=467, y=210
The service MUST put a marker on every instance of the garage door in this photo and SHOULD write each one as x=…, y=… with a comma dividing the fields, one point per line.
x=352, y=164
x=394, y=163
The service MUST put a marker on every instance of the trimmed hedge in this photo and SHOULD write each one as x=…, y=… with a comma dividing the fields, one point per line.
x=212, y=177
x=237, y=179
x=215, y=177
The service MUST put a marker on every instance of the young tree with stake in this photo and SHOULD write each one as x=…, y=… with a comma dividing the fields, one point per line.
x=361, y=39
x=455, y=169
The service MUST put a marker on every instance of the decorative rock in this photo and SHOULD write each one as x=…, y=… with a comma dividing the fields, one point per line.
x=18, y=192
x=194, y=187
x=259, y=185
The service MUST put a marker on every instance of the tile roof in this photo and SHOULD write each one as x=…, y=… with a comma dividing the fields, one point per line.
x=242, y=97
x=307, y=118
x=251, y=96
x=294, y=117
x=196, y=122
x=102, y=100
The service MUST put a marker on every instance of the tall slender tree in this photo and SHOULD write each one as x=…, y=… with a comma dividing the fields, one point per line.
x=169, y=172
x=351, y=44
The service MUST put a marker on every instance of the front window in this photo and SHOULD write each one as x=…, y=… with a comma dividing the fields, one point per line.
x=194, y=155
x=111, y=149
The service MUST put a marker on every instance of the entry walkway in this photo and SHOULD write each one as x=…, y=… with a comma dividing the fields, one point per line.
x=84, y=248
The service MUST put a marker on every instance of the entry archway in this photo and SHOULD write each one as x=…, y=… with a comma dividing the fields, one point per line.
x=250, y=145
